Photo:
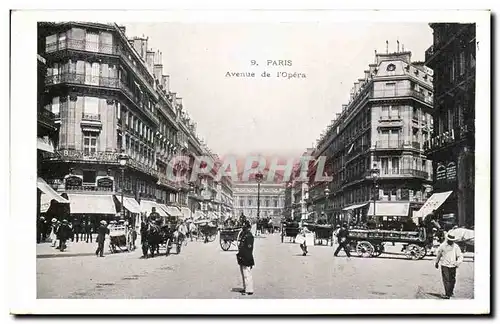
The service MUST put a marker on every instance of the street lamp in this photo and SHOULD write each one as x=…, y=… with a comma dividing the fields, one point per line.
x=327, y=193
x=122, y=159
x=375, y=173
x=258, y=177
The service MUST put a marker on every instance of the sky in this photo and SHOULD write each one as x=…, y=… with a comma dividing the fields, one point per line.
x=270, y=115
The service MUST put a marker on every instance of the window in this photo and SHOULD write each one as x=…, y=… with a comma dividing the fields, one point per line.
x=461, y=65
x=275, y=203
x=90, y=142
x=241, y=203
x=55, y=106
x=51, y=43
x=89, y=176
x=62, y=41
x=452, y=70
x=385, y=165
x=394, y=111
x=267, y=203
x=390, y=89
x=91, y=105
x=451, y=115
x=91, y=42
x=395, y=165
x=249, y=202
x=385, y=112
x=118, y=111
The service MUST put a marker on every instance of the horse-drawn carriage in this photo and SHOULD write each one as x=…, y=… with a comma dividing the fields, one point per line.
x=161, y=235
x=370, y=242
x=229, y=236
x=121, y=238
x=290, y=230
x=322, y=232
x=207, y=230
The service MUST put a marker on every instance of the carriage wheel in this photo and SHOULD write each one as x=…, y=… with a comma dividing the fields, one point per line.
x=169, y=246
x=379, y=248
x=365, y=249
x=225, y=245
x=415, y=252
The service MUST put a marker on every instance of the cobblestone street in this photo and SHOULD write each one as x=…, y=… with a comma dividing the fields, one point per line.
x=205, y=271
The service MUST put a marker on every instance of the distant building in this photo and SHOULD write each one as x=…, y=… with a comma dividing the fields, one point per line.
x=451, y=147
x=272, y=199
x=384, y=126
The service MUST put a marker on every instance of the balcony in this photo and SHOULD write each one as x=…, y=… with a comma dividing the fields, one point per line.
x=400, y=93
x=46, y=118
x=389, y=144
x=399, y=173
x=91, y=117
x=114, y=83
x=449, y=138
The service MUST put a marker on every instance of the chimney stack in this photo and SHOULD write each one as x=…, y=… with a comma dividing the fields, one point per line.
x=150, y=59
x=344, y=107
x=158, y=71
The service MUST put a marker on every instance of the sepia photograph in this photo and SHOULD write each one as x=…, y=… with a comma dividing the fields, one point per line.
x=334, y=157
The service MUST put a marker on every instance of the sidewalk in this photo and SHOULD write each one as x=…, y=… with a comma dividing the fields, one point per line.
x=81, y=248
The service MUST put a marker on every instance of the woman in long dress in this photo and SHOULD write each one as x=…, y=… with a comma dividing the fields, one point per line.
x=53, y=236
x=301, y=238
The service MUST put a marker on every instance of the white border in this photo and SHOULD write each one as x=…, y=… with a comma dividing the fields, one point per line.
x=22, y=261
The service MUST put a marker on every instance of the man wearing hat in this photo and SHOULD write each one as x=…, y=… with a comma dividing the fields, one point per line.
x=101, y=237
x=449, y=256
x=245, y=257
x=64, y=233
x=342, y=239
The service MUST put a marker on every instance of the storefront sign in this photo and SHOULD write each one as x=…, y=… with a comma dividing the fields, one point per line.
x=440, y=172
x=73, y=181
x=106, y=182
x=451, y=171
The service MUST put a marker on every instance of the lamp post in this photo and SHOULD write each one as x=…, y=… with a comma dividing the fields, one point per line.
x=327, y=193
x=375, y=173
x=258, y=178
x=122, y=159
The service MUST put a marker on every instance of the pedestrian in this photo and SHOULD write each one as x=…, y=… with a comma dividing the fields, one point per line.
x=245, y=258
x=57, y=226
x=88, y=231
x=53, y=231
x=83, y=226
x=449, y=256
x=40, y=227
x=335, y=234
x=76, y=229
x=343, y=241
x=101, y=237
x=64, y=233
x=302, y=239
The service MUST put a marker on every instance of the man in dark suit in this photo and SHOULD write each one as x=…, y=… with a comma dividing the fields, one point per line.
x=101, y=237
x=64, y=233
x=343, y=242
x=245, y=258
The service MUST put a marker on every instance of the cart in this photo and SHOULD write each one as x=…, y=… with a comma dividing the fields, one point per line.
x=290, y=230
x=370, y=242
x=207, y=230
x=323, y=232
x=120, y=239
x=228, y=236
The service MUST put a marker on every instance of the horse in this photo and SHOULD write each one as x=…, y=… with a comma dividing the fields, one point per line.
x=464, y=237
x=152, y=237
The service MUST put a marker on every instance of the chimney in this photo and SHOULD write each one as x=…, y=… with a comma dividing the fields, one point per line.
x=174, y=99
x=338, y=114
x=158, y=71
x=344, y=107
x=367, y=74
x=122, y=29
x=165, y=82
x=150, y=59
x=361, y=83
x=356, y=87
x=178, y=101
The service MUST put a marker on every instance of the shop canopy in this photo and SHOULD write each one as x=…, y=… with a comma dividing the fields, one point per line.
x=172, y=211
x=434, y=202
x=391, y=209
x=147, y=207
x=51, y=193
x=186, y=213
x=44, y=145
x=131, y=205
x=355, y=207
x=91, y=204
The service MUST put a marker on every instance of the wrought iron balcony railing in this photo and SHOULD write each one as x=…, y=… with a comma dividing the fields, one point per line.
x=406, y=92
x=449, y=138
x=89, y=116
x=389, y=144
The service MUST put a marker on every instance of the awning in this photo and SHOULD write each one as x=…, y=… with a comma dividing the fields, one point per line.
x=198, y=214
x=171, y=210
x=186, y=213
x=433, y=203
x=131, y=205
x=355, y=206
x=390, y=209
x=92, y=204
x=147, y=207
x=45, y=145
x=51, y=193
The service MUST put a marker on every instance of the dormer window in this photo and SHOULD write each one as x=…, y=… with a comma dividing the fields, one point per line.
x=391, y=67
x=416, y=72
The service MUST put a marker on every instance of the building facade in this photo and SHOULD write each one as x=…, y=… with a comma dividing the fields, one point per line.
x=383, y=127
x=107, y=95
x=451, y=147
x=272, y=199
